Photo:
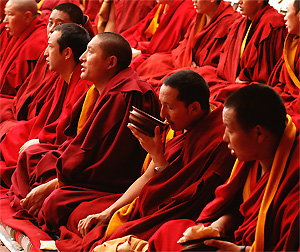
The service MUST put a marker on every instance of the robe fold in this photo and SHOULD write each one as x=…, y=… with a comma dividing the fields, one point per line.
x=129, y=12
x=285, y=78
x=263, y=49
x=281, y=226
x=199, y=162
x=203, y=48
x=171, y=30
x=31, y=95
x=48, y=126
x=18, y=63
x=103, y=158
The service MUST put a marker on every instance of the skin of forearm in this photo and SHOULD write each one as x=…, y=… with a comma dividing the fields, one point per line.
x=132, y=192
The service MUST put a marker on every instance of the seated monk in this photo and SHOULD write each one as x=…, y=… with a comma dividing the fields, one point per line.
x=118, y=16
x=201, y=45
x=180, y=178
x=29, y=39
x=162, y=29
x=258, y=207
x=250, y=52
x=285, y=77
x=100, y=156
x=65, y=45
x=34, y=92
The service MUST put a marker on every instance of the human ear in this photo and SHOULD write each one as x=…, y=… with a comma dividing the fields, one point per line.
x=195, y=107
x=112, y=62
x=27, y=16
x=68, y=53
x=260, y=133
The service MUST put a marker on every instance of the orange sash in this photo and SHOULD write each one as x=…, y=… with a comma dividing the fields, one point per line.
x=88, y=105
x=289, y=52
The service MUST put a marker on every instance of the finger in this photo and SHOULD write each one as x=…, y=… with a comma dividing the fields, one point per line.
x=216, y=243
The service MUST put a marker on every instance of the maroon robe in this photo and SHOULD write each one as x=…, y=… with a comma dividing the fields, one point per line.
x=171, y=30
x=282, y=82
x=129, y=12
x=199, y=162
x=103, y=158
x=16, y=64
x=32, y=94
x=282, y=222
x=203, y=48
x=48, y=126
x=262, y=51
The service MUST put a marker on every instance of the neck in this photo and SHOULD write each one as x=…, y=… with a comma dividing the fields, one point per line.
x=211, y=13
x=67, y=71
x=101, y=84
x=268, y=154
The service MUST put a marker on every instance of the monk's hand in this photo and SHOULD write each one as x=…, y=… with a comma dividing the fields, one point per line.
x=153, y=145
x=27, y=144
x=222, y=245
x=36, y=197
x=238, y=81
x=91, y=221
x=135, y=53
x=193, y=64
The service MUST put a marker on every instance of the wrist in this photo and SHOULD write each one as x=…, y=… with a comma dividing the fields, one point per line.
x=158, y=169
x=243, y=249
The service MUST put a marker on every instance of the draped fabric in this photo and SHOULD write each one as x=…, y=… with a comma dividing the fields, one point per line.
x=104, y=158
x=48, y=126
x=20, y=56
x=30, y=98
x=172, y=27
x=281, y=225
x=263, y=49
x=203, y=48
x=286, y=75
x=199, y=162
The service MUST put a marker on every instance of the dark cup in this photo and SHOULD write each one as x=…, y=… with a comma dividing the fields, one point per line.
x=144, y=122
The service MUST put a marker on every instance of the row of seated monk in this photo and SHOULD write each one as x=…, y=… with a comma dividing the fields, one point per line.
x=226, y=84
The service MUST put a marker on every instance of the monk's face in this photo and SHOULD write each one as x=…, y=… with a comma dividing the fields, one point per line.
x=243, y=144
x=15, y=20
x=94, y=63
x=250, y=7
x=54, y=58
x=174, y=111
x=57, y=18
x=292, y=19
x=203, y=6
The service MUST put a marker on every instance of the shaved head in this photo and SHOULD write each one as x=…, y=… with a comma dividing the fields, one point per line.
x=24, y=6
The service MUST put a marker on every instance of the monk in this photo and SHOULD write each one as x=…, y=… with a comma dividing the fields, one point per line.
x=250, y=52
x=201, y=45
x=285, y=77
x=258, y=207
x=100, y=157
x=180, y=177
x=62, y=56
x=162, y=29
x=34, y=92
x=28, y=40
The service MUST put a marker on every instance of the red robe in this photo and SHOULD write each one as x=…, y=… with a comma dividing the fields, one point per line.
x=19, y=62
x=199, y=162
x=103, y=158
x=171, y=30
x=285, y=85
x=32, y=94
x=262, y=51
x=129, y=12
x=202, y=48
x=282, y=222
x=48, y=126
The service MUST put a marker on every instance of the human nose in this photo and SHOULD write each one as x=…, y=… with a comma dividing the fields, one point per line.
x=46, y=53
x=225, y=136
x=83, y=56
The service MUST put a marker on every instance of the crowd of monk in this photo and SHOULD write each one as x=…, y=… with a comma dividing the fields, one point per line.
x=225, y=82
